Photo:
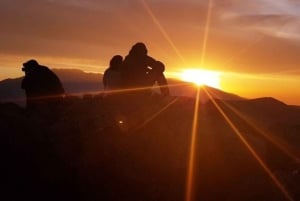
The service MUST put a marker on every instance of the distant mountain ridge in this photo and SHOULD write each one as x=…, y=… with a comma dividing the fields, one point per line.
x=119, y=144
x=74, y=82
x=181, y=88
x=78, y=82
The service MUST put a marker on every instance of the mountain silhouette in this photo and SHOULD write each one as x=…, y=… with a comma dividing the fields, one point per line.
x=10, y=91
x=77, y=82
x=74, y=82
x=113, y=148
x=181, y=88
x=102, y=148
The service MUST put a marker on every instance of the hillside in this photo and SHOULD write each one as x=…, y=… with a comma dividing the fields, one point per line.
x=74, y=82
x=122, y=148
x=181, y=88
x=77, y=82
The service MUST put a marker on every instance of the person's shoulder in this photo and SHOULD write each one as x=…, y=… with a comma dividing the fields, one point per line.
x=46, y=69
x=43, y=69
x=150, y=59
x=107, y=71
x=128, y=58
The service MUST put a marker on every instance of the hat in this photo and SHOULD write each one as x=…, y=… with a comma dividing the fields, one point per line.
x=31, y=63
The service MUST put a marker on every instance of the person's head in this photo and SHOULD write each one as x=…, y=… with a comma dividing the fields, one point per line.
x=138, y=49
x=116, y=62
x=29, y=65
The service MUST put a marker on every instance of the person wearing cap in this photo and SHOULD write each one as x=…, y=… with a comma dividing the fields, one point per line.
x=41, y=85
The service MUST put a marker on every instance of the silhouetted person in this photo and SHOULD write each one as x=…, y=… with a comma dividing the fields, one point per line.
x=42, y=86
x=141, y=70
x=112, y=75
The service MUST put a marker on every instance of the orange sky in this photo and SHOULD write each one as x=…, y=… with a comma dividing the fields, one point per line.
x=254, y=42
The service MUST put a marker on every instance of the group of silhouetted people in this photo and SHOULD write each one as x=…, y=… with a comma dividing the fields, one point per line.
x=137, y=70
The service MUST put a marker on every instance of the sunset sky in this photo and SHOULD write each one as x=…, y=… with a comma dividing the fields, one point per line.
x=255, y=44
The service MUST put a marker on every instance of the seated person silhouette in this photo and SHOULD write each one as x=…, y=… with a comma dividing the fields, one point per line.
x=41, y=85
x=112, y=75
x=140, y=70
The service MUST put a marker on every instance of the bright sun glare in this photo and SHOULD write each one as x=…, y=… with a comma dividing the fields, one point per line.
x=201, y=77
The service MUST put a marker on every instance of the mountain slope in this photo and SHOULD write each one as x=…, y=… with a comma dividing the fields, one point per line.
x=74, y=82
x=10, y=91
x=181, y=88
x=78, y=82
x=139, y=150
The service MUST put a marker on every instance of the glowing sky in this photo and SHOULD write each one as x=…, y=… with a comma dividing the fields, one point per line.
x=256, y=43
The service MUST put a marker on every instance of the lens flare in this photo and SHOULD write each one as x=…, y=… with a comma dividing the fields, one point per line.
x=259, y=160
x=201, y=77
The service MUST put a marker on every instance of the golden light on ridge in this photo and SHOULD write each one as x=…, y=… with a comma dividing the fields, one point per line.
x=201, y=77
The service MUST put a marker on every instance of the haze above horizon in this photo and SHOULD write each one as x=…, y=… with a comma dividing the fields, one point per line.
x=253, y=44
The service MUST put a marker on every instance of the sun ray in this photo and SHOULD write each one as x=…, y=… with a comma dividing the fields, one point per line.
x=206, y=32
x=98, y=92
x=251, y=150
x=201, y=77
x=261, y=131
x=140, y=88
x=191, y=164
x=156, y=114
x=192, y=153
x=243, y=51
x=162, y=30
x=267, y=136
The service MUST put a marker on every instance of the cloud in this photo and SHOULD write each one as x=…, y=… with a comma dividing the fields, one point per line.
x=280, y=18
x=29, y=27
x=278, y=26
x=37, y=27
x=96, y=30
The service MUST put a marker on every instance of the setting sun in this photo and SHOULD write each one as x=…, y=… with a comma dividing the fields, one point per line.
x=201, y=77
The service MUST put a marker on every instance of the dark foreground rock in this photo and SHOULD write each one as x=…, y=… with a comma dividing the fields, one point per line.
x=124, y=147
